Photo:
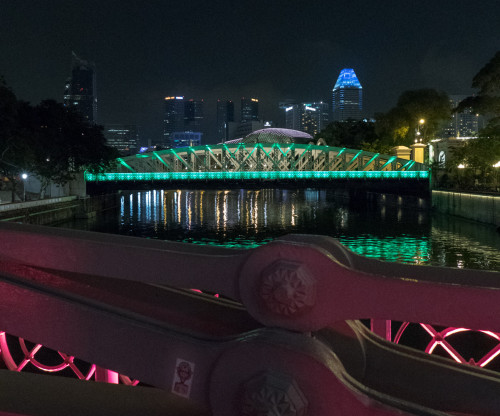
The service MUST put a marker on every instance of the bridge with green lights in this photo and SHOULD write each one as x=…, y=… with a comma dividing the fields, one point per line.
x=264, y=164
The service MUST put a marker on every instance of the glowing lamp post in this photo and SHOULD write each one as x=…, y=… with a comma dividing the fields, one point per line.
x=418, y=148
x=420, y=124
x=24, y=176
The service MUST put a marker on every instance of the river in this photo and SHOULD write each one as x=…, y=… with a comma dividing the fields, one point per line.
x=386, y=227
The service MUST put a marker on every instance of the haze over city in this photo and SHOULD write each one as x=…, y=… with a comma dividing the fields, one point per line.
x=272, y=50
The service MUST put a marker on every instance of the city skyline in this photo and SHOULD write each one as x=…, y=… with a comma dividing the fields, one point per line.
x=269, y=50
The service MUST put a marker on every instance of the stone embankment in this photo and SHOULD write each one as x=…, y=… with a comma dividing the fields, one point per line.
x=477, y=207
x=56, y=210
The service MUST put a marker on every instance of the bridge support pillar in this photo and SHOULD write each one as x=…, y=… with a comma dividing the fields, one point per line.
x=401, y=152
x=418, y=152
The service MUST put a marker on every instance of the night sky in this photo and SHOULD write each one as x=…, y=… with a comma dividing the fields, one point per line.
x=272, y=50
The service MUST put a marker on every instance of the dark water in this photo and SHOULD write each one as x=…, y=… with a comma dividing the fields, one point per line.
x=388, y=228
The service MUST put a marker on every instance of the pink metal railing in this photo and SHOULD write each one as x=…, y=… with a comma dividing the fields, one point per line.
x=104, y=299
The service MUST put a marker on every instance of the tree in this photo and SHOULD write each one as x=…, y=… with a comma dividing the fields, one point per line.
x=487, y=100
x=49, y=140
x=399, y=126
x=480, y=156
x=16, y=150
x=66, y=144
x=350, y=133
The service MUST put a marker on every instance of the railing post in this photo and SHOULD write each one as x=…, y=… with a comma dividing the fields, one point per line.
x=106, y=376
x=382, y=328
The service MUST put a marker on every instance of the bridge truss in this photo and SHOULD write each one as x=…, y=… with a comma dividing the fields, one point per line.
x=260, y=161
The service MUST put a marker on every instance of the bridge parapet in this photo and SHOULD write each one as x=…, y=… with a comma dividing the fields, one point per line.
x=111, y=300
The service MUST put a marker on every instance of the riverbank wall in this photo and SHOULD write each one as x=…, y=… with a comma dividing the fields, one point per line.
x=56, y=210
x=477, y=207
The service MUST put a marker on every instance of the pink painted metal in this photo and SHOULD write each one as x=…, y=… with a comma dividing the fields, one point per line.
x=110, y=301
x=443, y=337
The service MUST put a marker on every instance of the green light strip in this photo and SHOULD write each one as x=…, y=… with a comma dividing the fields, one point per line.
x=371, y=160
x=392, y=159
x=125, y=164
x=250, y=175
x=161, y=160
x=354, y=158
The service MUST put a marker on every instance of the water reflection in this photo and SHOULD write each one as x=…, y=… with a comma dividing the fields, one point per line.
x=382, y=227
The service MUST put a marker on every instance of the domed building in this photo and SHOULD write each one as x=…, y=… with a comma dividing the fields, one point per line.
x=275, y=135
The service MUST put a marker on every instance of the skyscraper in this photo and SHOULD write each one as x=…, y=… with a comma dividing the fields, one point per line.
x=80, y=88
x=307, y=117
x=347, y=97
x=193, y=115
x=174, y=117
x=249, y=109
x=225, y=114
x=181, y=116
x=463, y=124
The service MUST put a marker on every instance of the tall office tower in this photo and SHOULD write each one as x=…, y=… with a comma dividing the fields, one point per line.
x=193, y=115
x=80, y=88
x=347, y=97
x=292, y=116
x=173, y=119
x=249, y=109
x=122, y=137
x=225, y=115
x=323, y=114
x=463, y=124
x=306, y=117
x=181, y=116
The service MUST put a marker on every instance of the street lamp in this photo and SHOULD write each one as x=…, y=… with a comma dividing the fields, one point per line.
x=24, y=176
x=421, y=123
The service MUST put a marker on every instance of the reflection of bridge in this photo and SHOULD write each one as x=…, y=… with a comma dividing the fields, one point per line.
x=245, y=162
x=105, y=299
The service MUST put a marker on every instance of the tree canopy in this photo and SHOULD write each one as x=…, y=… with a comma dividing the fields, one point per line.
x=49, y=140
x=487, y=101
x=350, y=133
x=400, y=125
x=481, y=155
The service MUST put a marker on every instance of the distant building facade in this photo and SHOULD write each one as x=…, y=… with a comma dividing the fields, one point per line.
x=347, y=100
x=225, y=115
x=193, y=115
x=237, y=130
x=249, y=109
x=310, y=118
x=464, y=124
x=185, y=139
x=122, y=137
x=181, y=116
x=80, y=88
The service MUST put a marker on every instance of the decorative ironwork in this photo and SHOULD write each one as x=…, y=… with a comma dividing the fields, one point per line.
x=19, y=355
x=449, y=347
x=287, y=288
x=261, y=161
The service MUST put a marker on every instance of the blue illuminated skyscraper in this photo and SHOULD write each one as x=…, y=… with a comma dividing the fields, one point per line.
x=347, y=97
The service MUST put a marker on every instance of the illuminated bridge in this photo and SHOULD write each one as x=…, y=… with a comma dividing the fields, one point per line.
x=269, y=155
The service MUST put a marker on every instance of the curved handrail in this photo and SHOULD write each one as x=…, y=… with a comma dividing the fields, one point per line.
x=93, y=291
